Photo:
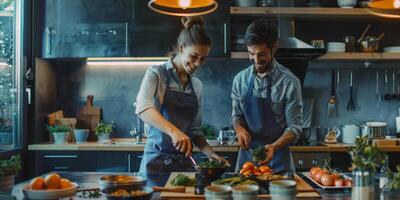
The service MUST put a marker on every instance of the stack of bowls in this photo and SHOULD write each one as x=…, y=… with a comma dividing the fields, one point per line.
x=283, y=189
x=218, y=192
x=245, y=192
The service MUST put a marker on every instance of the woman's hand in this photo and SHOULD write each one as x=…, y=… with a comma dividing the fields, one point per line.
x=215, y=156
x=182, y=142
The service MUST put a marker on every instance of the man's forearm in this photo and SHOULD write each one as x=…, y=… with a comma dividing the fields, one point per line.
x=284, y=140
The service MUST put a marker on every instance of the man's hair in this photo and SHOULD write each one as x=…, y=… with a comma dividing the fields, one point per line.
x=261, y=31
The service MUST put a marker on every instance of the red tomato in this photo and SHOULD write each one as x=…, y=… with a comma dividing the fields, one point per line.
x=327, y=179
x=319, y=175
x=339, y=182
x=347, y=182
x=314, y=170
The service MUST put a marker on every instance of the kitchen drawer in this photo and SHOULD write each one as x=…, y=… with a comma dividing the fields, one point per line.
x=47, y=161
x=304, y=161
x=230, y=156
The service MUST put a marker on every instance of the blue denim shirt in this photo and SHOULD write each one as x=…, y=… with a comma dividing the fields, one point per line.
x=285, y=96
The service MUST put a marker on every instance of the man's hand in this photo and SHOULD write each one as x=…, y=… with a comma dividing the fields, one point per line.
x=269, y=153
x=244, y=138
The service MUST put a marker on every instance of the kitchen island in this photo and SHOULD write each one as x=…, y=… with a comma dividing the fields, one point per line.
x=89, y=180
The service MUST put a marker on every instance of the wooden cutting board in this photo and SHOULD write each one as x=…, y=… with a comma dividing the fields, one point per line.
x=88, y=117
x=303, y=188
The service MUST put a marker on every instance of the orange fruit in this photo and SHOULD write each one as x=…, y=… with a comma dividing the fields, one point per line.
x=38, y=184
x=248, y=166
x=65, y=183
x=264, y=169
x=52, y=181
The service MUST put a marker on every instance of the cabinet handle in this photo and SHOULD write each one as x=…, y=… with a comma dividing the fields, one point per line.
x=60, y=168
x=140, y=157
x=225, y=38
x=61, y=156
x=129, y=162
x=126, y=38
x=48, y=41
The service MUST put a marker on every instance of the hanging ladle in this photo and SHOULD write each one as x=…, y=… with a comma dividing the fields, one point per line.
x=387, y=96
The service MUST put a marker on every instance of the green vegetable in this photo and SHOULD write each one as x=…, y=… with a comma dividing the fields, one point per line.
x=182, y=180
x=259, y=154
x=366, y=157
x=212, y=164
x=233, y=181
x=90, y=194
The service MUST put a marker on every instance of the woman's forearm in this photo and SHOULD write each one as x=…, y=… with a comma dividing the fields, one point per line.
x=153, y=117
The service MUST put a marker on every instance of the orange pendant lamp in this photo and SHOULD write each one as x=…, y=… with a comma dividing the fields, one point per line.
x=385, y=8
x=183, y=7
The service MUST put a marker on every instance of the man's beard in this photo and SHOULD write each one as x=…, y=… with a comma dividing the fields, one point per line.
x=265, y=66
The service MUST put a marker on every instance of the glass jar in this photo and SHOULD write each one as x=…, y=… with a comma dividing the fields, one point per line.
x=363, y=186
x=266, y=3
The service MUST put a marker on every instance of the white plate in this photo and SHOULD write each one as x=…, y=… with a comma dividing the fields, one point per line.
x=49, y=194
x=307, y=174
x=394, y=49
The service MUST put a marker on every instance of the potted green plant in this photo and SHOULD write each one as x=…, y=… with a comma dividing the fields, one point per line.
x=209, y=134
x=103, y=131
x=8, y=169
x=60, y=133
x=366, y=159
x=392, y=188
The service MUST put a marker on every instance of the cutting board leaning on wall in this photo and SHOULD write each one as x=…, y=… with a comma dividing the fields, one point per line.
x=88, y=117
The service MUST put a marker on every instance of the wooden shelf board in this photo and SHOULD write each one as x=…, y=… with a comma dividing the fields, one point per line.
x=301, y=11
x=339, y=56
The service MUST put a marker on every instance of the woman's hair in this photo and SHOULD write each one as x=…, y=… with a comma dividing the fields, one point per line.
x=193, y=33
x=261, y=31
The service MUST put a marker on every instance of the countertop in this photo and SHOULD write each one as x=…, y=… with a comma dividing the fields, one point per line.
x=127, y=144
x=90, y=180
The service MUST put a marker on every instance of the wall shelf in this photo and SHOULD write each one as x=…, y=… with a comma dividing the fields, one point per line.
x=303, y=12
x=357, y=56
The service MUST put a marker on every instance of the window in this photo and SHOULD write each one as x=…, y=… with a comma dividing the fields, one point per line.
x=10, y=53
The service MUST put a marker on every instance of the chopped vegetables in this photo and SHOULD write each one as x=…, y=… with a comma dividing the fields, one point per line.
x=89, y=194
x=182, y=180
x=212, y=164
x=233, y=181
x=259, y=154
x=125, y=193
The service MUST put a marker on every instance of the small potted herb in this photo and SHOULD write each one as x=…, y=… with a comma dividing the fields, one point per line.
x=60, y=133
x=366, y=159
x=392, y=189
x=209, y=134
x=103, y=131
x=8, y=169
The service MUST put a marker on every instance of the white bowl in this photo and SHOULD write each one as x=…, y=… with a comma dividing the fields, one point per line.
x=212, y=142
x=394, y=49
x=336, y=47
x=50, y=193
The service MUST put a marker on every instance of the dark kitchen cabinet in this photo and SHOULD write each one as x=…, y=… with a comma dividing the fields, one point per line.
x=135, y=159
x=155, y=34
x=86, y=28
x=119, y=28
x=113, y=161
x=72, y=161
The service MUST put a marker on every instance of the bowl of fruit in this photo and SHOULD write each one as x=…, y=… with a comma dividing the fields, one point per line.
x=53, y=186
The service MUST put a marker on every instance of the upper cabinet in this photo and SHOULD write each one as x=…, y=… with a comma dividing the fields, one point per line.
x=83, y=28
x=119, y=28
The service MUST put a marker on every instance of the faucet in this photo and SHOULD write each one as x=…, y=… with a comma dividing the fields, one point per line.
x=136, y=132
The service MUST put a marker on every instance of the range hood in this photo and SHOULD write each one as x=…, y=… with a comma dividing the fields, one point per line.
x=292, y=52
